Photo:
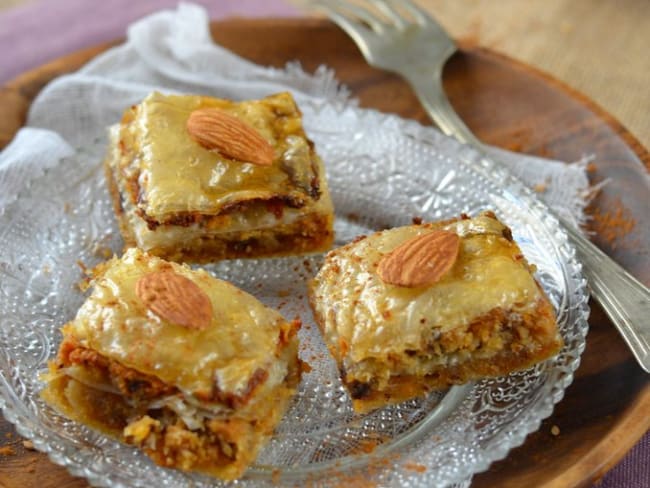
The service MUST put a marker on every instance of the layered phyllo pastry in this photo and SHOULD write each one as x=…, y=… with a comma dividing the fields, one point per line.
x=189, y=368
x=423, y=307
x=197, y=179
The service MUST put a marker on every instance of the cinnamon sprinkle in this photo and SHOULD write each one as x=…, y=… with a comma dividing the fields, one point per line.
x=419, y=468
x=540, y=187
x=7, y=451
x=614, y=224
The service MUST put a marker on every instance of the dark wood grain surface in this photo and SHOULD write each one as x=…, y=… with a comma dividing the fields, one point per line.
x=605, y=410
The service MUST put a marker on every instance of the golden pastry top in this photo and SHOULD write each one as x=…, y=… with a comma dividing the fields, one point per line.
x=241, y=338
x=175, y=174
x=374, y=319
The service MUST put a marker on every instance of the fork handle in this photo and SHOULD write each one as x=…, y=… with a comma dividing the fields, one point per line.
x=625, y=300
x=431, y=94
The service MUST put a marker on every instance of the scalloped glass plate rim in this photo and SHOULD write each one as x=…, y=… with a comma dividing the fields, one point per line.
x=475, y=162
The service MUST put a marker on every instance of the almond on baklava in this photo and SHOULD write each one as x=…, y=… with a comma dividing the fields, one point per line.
x=197, y=179
x=423, y=307
x=189, y=368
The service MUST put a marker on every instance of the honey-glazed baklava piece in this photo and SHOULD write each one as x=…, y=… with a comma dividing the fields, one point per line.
x=197, y=179
x=189, y=368
x=423, y=307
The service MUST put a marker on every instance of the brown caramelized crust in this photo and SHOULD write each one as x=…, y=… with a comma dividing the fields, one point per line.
x=304, y=236
x=221, y=446
x=141, y=387
x=516, y=341
x=129, y=382
x=275, y=205
x=311, y=233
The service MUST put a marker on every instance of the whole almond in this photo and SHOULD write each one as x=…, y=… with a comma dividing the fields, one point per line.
x=420, y=261
x=220, y=131
x=175, y=298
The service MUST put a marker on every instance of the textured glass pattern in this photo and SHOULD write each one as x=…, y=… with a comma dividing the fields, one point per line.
x=383, y=172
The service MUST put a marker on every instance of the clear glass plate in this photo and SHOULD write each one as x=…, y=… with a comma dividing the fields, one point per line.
x=383, y=171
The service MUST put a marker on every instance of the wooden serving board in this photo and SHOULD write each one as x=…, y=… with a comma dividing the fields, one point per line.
x=606, y=409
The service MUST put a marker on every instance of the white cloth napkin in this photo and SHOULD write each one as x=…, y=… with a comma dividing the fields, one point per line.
x=173, y=51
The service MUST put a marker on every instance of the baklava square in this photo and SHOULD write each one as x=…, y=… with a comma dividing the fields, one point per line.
x=423, y=307
x=198, y=179
x=190, y=369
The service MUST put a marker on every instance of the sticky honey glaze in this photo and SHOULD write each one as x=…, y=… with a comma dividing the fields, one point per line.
x=176, y=174
x=240, y=340
x=375, y=319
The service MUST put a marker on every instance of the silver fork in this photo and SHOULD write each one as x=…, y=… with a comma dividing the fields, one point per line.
x=406, y=40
